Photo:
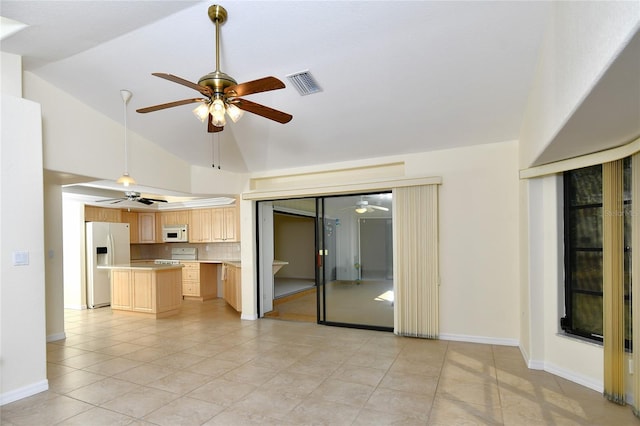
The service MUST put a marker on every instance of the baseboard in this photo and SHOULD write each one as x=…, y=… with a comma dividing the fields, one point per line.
x=55, y=337
x=24, y=392
x=588, y=382
x=251, y=317
x=76, y=307
x=479, y=339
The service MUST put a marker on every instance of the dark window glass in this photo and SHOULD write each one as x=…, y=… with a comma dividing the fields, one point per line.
x=583, y=251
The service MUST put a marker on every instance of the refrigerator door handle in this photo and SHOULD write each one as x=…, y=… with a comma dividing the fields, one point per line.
x=110, y=248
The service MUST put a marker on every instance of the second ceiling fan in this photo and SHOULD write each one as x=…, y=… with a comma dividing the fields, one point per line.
x=222, y=93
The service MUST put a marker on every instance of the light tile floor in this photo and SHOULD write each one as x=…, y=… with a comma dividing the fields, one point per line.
x=207, y=367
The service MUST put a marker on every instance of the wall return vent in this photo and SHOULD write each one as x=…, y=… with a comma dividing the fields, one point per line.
x=304, y=82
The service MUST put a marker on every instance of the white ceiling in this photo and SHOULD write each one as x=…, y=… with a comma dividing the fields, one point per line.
x=397, y=77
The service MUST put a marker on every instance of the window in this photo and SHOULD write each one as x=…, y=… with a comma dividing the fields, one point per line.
x=583, y=242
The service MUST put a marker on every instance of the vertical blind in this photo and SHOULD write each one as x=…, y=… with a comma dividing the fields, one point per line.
x=417, y=275
x=635, y=277
x=613, y=281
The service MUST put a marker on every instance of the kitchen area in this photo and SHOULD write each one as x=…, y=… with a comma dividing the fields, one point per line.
x=147, y=262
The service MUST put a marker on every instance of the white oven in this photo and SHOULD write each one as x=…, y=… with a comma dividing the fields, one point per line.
x=175, y=234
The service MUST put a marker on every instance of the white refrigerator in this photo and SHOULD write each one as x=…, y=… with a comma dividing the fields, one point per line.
x=107, y=244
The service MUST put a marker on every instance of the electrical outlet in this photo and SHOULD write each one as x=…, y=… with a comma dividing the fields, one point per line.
x=630, y=366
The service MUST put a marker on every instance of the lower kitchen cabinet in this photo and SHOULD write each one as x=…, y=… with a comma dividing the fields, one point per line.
x=232, y=286
x=147, y=290
x=199, y=281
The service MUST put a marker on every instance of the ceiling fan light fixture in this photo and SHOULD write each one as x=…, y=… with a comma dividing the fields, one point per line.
x=202, y=112
x=217, y=110
x=234, y=112
x=361, y=210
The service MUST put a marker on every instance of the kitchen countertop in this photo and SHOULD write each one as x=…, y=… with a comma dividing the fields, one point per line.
x=141, y=266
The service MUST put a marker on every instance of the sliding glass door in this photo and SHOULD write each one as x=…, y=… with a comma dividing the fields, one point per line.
x=355, y=260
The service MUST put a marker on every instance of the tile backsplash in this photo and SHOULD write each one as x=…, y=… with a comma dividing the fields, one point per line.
x=206, y=251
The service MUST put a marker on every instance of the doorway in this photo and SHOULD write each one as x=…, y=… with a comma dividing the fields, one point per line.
x=338, y=252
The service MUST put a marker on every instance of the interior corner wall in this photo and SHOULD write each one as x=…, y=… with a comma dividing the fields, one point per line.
x=11, y=74
x=74, y=287
x=576, y=360
x=54, y=277
x=526, y=346
x=581, y=42
x=23, y=366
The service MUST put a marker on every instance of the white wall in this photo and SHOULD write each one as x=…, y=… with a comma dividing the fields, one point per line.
x=75, y=136
x=75, y=289
x=479, y=240
x=54, y=277
x=22, y=288
x=551, y=350
x=582, y=40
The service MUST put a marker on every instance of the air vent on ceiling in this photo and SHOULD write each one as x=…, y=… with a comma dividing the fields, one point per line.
x=304, y=82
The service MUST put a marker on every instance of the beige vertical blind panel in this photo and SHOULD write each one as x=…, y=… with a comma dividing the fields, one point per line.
x=415, y=221
x=613, y=281
x=635, y=277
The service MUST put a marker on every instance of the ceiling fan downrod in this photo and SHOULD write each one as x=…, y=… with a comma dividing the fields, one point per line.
x=217, y=80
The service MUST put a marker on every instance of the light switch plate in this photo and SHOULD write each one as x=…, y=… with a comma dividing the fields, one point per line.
x=20, y=258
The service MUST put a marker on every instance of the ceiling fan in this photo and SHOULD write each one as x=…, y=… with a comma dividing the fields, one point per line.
x=222, y=94
x=362, y=206
x=134, y=196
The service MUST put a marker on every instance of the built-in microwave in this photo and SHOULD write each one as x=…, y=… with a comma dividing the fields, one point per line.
x=174, y=234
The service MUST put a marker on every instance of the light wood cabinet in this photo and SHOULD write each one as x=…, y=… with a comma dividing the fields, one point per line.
x=201, y=226
x=148, y=291
x=232, y=286
x=132, y=219
x=146, y=227
x=101, y=214
x=175, y=217
x=225, y=224
x=199, y=281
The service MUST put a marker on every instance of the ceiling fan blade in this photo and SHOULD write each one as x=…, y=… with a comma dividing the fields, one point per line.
x=155, y=200
x=264, y=111
x=211, y=128
x=256, y=86
x=170, y=105
x=384, y=209
x=202, y=89
x=144, y=201
x=110, y=199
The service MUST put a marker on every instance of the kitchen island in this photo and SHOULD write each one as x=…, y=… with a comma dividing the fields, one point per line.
x=146, y=289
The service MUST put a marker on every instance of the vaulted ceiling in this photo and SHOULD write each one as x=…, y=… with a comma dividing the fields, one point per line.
x=396, y=77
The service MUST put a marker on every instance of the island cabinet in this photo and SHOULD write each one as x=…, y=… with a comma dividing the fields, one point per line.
x=199, y=281
x=232, y=285
x=147, y=290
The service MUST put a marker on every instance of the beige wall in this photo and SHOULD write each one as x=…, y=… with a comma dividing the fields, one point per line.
x=581, y=42
x=22, y=288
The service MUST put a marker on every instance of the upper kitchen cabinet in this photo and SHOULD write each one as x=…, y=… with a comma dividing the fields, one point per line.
x=146, y=227
x=214, y=225
x=225, y=224
x=200, y=226
x=132, y=219
x=176, y=217
x=101, y=214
